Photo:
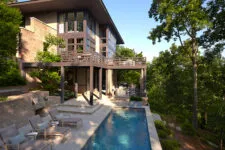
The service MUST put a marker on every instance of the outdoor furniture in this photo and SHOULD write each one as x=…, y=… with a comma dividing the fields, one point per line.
x=13, y=140
x=70, y=121
x=45, y=130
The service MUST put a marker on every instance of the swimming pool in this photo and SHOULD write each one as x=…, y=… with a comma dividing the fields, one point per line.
x=123, y=129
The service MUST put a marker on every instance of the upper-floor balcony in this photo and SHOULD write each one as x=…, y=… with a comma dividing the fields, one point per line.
x=95, y=59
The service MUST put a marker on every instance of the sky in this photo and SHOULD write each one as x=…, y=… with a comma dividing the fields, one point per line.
x=132, y=20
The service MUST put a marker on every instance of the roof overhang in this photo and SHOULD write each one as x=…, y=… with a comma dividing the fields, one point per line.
x=96, y=7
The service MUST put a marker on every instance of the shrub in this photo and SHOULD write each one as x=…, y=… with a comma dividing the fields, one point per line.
x=162, y=134
x=170, y=145
x=10, y=74
x=160, y=125
x=135, y=98
x=188, y=129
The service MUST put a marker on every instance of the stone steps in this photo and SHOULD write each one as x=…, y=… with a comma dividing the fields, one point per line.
x=79, y=110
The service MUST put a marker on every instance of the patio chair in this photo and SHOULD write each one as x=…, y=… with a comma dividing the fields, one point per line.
x=69, y=121
x=13, y=140
x=45, y=130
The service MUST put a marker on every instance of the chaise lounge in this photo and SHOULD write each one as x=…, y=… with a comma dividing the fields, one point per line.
x=71, y=121
x=45, y=130
x=13, y=140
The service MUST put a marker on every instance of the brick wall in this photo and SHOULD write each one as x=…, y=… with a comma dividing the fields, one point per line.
x=32, y=38
x=19, y=108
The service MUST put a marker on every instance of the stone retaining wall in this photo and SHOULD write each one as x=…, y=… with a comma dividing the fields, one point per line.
x=19, y=108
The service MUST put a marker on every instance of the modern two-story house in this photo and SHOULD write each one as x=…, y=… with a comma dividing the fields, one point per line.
x=90, y=37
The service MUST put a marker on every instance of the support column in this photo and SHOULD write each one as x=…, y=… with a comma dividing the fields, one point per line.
x=100, y=83
x=62, y=84
x=22, y=73
x=142, y=81
x=106, y=82
x=91, y=84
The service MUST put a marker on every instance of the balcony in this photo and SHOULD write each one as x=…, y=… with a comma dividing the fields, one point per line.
x=95, y=59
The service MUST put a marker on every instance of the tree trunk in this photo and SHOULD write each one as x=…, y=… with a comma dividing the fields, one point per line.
x=221, y=139
x=195, y=112
x=206, y=118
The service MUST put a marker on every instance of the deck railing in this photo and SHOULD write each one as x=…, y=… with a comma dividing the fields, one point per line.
x=94, y=58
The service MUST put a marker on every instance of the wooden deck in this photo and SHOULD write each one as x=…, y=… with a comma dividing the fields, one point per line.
x=69, y=58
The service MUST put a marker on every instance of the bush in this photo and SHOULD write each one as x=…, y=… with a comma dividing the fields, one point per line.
x=135, y=98
x=160, y=125
x=188, y=129
x=170, y=145
x=10, y=74
x=162, y=130
x=69, y=94
x=162, y=134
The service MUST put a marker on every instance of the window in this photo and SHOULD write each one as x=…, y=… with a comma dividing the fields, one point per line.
x=79, y=48
x=104, y=51
x=62, y=21
x=71, y=19
x=80, y=40
x=80, y=18
x=70, y=44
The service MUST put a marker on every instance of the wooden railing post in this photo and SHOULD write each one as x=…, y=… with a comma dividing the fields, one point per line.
x=62, y=83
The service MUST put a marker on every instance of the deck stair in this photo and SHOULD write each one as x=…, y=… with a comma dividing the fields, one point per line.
x=79, y=105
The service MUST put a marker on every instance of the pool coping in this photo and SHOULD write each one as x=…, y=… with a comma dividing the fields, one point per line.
x=153, y=135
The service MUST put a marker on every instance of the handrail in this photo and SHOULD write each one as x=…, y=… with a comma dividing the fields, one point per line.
x=94, y=58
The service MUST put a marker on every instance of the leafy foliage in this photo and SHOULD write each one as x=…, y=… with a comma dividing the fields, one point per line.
x=51, y=40
x=10, y=20
x=178, y=18
x=188, y=129
x=49, y=79
x=170, y=145
x=128, y=76
x=10, y=74
x=47, y=56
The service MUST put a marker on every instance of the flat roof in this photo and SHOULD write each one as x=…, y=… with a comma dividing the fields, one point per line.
x=96, y=7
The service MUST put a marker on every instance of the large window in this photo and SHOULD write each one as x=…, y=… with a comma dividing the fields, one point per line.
x=80, y=18
x=71, y=19
x=62, y=21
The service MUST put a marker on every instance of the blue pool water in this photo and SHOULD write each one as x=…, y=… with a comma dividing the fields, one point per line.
x=123, y=129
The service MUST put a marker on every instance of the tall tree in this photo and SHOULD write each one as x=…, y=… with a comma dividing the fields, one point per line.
x=128, y=76
x=178, y=18
x=213, y=38
x=10, y=19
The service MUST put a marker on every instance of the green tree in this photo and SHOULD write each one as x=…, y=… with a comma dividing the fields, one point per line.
x=177, y=18
x=10, y=20
x=49, y=77
x=213, y=38
x=128, y=76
